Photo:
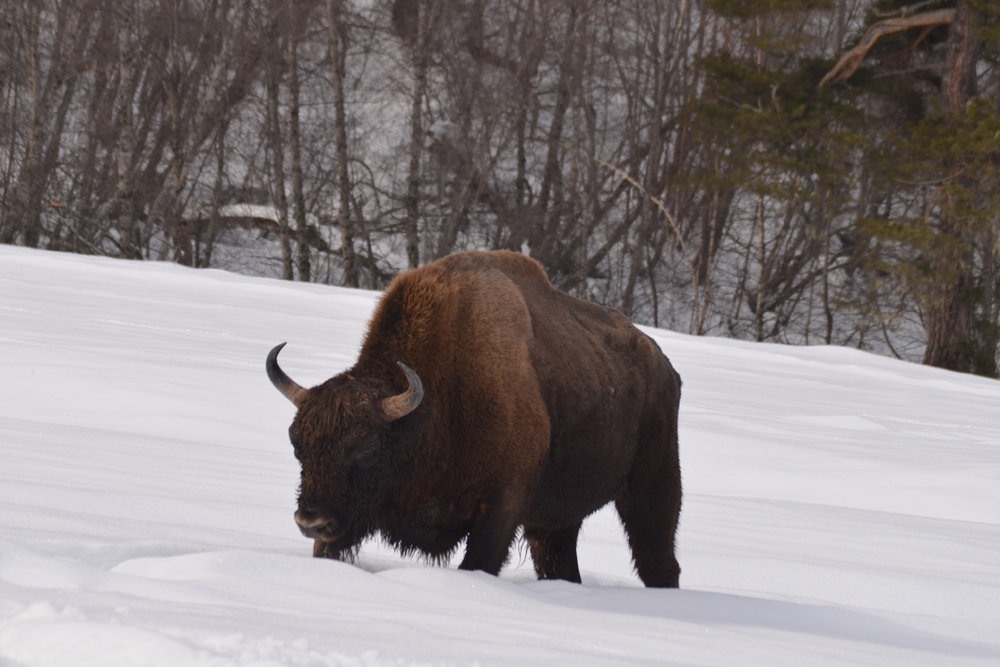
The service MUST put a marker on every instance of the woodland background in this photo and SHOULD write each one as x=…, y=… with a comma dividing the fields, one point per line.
x=802, y=171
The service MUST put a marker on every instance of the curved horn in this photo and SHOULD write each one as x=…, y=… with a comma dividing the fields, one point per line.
x=289, y=388
x=397, y=407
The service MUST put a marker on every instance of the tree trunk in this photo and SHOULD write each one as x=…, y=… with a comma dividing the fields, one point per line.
x=951, y=313
x=52, y=88
x=544, y=239
x=295, y=147
x=420, y=62
x=337, y=27
x=125, y=213
x=276, y=151
x=28, y=205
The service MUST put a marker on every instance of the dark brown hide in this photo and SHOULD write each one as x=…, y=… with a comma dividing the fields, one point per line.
x=538, y=409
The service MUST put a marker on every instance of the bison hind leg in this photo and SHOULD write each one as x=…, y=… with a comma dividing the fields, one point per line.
x=554, y=552
x=651, y=527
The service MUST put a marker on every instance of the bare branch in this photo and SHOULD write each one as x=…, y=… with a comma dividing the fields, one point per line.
x=850, y=61
x=654, y=199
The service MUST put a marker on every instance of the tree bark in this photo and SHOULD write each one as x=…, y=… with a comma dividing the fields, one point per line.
x=276, y=151
x=850, y=61
x=52, y=87
x=125, y=211
x=951, y=313
x=420, y=65
x=295, y=146
x=337, y=37
x=543, y=239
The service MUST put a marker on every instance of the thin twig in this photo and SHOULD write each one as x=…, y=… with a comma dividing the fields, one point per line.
x=653, y=198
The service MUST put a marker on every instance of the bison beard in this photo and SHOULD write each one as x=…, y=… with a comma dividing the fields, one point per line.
x=484, y=400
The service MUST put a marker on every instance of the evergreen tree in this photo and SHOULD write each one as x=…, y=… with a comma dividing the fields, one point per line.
x=785, y=153
x=934, y=227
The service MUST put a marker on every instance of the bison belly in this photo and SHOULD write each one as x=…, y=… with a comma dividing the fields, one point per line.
x=585, y=470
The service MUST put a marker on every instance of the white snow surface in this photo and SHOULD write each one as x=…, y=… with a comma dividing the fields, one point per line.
x=840, y=508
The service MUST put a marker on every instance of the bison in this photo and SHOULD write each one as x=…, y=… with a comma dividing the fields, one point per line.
x=484, y=400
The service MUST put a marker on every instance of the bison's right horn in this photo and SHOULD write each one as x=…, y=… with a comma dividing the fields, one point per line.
x=289, y=388
x=397, y=407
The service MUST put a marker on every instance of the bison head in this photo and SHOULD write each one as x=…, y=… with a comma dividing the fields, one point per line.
x=345, y=435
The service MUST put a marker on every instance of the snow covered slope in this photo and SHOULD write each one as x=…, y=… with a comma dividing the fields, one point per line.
x=840, y=508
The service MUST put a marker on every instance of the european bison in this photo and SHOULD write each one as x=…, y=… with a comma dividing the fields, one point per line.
x=484, y=400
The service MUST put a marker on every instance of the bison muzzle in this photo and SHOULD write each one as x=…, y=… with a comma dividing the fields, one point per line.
x=485, y=401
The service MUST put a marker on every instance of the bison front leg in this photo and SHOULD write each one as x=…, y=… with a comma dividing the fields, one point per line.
x=554, y=552
x=492, y=533
x=323, y=549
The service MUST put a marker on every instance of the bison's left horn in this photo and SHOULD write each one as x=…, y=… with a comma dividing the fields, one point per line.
x=286, y=385
x=397, y=407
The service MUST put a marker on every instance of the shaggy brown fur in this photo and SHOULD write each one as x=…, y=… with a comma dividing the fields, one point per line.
x=537, y=410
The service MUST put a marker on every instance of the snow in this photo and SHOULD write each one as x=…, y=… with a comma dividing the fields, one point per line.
x=840, y=508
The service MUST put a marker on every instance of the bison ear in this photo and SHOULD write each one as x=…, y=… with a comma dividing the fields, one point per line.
x=397, y=407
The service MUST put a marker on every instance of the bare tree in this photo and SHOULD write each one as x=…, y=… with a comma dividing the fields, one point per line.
x=338, y=43
x=295, y=137
x=52, y=63
x=420, y=15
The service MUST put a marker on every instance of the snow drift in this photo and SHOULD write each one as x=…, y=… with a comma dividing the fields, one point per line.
x=839, y=507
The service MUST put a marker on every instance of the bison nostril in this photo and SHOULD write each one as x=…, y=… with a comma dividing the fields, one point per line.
x=306, y=516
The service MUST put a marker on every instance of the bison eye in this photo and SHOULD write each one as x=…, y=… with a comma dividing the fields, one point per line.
x=364, y=458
